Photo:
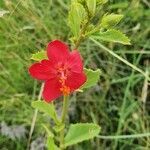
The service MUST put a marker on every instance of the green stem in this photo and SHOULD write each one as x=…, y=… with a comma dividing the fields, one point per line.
x=121, y=59
x=81, y=36
x=109, y=137
x=34, y=118
x=64, y=114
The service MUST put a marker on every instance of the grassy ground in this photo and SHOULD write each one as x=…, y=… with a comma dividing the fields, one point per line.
x=119, y=103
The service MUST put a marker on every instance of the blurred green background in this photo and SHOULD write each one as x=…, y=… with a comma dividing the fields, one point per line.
x=120, y=102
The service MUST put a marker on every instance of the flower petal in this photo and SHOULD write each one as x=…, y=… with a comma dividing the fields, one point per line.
x=51, y=90
x=75, y=80
x=75, y=62
x=57, y=50
x=43, y=70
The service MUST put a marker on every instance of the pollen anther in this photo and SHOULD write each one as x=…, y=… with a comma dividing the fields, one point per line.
x=65, y=90
x=62, y=75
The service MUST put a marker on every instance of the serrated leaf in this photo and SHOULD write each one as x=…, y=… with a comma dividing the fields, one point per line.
x=77, y=14
x=47, y=108
x=91, y=4
x=110, y=20
x=112, y=35
x=92, y=78
x=39, y=56
x=81, y=132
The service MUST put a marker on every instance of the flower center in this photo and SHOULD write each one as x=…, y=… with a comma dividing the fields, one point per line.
x=62, y=73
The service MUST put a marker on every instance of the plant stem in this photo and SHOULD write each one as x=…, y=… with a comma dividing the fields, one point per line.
x=82, y=33
x=111, y=137
x=66, y=97
x=81, y=36
x=65, y=108
x=121, y=59
x=34, y=119
x=64, y=114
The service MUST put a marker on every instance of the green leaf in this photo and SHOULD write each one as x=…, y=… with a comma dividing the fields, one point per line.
x=76, y=16
x=47, y=108
x=92, y=78
x=80, y=132
x=39, y=56
x=119, y=5
x=50, y=141
x=110, y=20
x=50, y=144
x=80, y=1
x=112, y=36
x=91, y=4
x=101, y=2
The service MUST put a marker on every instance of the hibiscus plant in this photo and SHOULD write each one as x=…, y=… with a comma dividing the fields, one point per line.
x=62, y=73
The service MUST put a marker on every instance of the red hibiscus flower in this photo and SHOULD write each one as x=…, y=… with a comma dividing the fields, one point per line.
x=62, y=72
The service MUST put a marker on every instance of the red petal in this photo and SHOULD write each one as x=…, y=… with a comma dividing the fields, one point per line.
x=75, y=80
x=75, y=62
x=43, y=70
x=51, y=90
x=57, y=50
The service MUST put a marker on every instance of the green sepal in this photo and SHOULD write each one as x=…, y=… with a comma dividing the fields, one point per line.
x=39, y=56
